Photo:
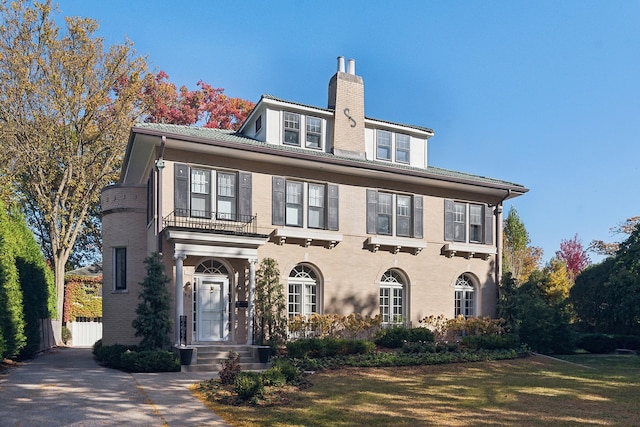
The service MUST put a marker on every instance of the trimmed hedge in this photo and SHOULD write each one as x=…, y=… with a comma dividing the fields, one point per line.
x=491, y=342
x=327, y=347
x=407, y=359
x=607, y=343
x=396, y=336
x=130, y=358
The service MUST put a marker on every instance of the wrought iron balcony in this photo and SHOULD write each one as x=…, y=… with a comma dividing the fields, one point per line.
x=218, y=222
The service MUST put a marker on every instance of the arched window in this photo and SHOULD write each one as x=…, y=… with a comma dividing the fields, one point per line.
x=392, y=298
x=465, y=300
x=303, y=291
x=211, y=266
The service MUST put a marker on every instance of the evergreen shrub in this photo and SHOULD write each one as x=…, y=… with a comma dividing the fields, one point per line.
x=149, y=361
x=491, y=342
x=248, y=385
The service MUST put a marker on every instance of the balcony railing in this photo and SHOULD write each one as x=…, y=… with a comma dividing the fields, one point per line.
x=211, y=221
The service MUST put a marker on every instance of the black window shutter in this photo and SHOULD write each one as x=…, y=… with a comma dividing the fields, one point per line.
x=278, y=201
x=332, y=203
x=244, y=197
x=488, y=225
x=417, y=217
x=372, y=211
x=448, y=220
x=181, y=189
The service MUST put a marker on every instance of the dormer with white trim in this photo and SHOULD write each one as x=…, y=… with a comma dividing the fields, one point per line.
x=341, y=129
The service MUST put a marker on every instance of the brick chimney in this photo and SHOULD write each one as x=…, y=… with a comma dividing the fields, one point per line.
x=346, y=98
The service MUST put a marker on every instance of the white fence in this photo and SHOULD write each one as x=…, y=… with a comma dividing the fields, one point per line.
x=85, y=334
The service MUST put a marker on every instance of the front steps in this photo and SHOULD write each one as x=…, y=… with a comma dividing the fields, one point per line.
x=209, y=358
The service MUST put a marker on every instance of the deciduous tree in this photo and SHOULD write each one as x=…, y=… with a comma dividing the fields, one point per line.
x=518, y=257
x=601, y=247
x=66, y=107
x=207, y=105
x=574, y=255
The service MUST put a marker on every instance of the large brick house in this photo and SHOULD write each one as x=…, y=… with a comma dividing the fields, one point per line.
x=347, y=205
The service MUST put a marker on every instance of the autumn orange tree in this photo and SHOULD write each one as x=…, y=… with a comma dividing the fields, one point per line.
x=207, y=105
x=66, y=106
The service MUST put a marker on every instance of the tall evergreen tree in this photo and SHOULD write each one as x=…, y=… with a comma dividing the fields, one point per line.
x=270, y=314
x=154, y=323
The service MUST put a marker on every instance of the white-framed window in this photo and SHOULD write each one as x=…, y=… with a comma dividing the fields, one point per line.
x=385, y=214
x=468, y=222
x=212, y=194
x=391, y=214
x=465, y=299
x=459, y=222
x=302, y=291
x=403, y=215
x=295, y=204
x=316, y=213
x=383, y=144
x=403, y=148
x=226, y=196
x=291, y=128
x=304, y=204
x=120, y=269
x=392, y=298
x=314, y=133
x=200, y=193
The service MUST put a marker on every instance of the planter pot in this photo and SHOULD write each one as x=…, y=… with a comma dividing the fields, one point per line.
x=185, y=355
x=264, y=353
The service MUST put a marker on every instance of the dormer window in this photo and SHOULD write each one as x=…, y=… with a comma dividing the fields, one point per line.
x=383, y=145
x=291, y=128
x=314, y=132
x=403, y=144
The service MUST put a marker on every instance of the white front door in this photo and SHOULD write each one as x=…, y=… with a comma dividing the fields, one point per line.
x=212, y=315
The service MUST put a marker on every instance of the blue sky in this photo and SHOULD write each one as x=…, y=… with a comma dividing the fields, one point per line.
x=541, y=93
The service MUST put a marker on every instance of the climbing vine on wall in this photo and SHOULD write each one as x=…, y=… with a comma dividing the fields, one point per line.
x=82, y=297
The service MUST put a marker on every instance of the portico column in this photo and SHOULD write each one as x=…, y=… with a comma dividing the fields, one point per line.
x=250, y=307
x=179, y=295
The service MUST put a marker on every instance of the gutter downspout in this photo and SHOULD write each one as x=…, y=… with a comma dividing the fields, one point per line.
x=158, y=217
x=499, y=235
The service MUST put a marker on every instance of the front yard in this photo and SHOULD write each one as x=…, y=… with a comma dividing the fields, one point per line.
x=536, y=391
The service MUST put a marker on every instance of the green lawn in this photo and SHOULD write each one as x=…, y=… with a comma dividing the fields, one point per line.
x=537, y=391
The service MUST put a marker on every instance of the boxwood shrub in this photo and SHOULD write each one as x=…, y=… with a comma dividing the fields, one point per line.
x=129, y=358
x=327, y=347
x=396, y=336
x=491, y=342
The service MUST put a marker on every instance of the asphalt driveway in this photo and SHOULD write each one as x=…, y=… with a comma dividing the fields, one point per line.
x=66, y=387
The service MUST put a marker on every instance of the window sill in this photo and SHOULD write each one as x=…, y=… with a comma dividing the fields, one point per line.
x=468, y=250
x=328, y=238
x=120, y=291
x=396, y=244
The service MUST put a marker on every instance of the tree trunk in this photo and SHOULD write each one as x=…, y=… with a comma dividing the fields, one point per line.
x=59, y=261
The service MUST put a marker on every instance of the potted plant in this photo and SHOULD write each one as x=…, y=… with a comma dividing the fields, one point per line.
x=270, y=321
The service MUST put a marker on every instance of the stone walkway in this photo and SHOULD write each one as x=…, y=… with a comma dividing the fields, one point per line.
x=66, y=387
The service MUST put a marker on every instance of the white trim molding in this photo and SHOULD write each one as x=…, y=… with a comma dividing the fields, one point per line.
x=307, y=236
x=396, y=244
x=469, y=250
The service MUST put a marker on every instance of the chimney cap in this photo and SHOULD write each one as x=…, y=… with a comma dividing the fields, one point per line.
x=351, y=68
x=341, y=64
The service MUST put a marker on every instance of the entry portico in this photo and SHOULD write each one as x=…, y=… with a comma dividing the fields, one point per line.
x=221, y=278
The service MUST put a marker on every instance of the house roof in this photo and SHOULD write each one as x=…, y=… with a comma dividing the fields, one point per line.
x=93, y=270
x=234, y=140
x=420, y=128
